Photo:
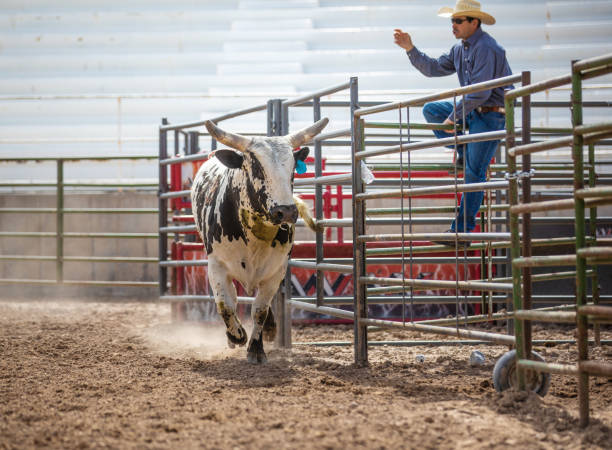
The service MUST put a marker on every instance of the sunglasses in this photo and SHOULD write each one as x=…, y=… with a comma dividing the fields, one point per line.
x=460, y=21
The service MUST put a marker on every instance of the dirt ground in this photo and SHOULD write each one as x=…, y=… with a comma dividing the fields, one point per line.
x=121, y=375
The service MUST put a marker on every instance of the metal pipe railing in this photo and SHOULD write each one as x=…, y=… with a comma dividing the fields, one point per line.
x=317, y=94
x=461, y=237
x=61, y=184
x=442, y=284
x=231, y=115
x=360, y=196
x=591, y=63
x=464, y=139
x=415, y=192
x=496, y=338
x=581, y=135
x=419, y=101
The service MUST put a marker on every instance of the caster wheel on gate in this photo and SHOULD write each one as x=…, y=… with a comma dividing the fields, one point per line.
x=504, y=374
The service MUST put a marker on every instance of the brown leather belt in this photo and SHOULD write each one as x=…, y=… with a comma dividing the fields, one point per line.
x=486, y=109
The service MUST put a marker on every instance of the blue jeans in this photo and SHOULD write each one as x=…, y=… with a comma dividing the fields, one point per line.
x=477, y=156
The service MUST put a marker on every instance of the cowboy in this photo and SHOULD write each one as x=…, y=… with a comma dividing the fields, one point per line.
x=477, y=58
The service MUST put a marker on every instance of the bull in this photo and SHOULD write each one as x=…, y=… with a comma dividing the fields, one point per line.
x=245, y=212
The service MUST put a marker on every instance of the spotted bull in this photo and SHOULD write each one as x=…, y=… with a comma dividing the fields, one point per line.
x=245, y=212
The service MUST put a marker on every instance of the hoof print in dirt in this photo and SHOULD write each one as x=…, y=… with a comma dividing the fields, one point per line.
x=255, y=352
x=269, y=327
x=240, y=340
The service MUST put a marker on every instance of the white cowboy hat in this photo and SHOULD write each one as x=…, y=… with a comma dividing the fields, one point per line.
x=469, y=8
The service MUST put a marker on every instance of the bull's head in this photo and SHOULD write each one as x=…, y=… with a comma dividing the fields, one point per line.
x=269, y=163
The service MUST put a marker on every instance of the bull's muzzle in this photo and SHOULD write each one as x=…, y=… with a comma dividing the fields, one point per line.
x=284, y=214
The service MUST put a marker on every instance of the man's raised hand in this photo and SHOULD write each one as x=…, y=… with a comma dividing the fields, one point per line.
x=402, y=39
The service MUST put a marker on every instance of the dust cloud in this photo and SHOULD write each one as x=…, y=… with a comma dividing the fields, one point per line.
x=189, y=340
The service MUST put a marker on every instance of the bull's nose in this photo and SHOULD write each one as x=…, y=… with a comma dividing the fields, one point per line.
x=284, y=214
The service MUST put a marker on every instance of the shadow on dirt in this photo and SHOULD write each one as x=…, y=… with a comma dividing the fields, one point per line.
x=237, y=372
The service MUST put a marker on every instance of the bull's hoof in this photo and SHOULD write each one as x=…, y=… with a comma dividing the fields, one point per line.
x=255, y=352
x=257, y=358
x=269, y=327
x=241, y=339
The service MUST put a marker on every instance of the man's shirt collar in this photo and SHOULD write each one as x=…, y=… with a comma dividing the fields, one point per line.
x=473, y=38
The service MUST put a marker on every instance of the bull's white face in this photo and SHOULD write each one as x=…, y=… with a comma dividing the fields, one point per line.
x=262, y=173
x=271, y=164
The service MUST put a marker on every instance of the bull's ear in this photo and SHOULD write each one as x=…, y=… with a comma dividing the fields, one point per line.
x=230, y=158
x=301, y=154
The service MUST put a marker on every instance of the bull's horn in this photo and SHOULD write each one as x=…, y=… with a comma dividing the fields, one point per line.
x=233, y=140
x=299, y=138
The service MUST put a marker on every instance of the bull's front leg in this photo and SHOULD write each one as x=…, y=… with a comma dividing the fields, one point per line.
x=263, y=320
x=226, y=298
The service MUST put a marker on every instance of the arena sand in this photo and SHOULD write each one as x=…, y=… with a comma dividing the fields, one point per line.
x=120, y=375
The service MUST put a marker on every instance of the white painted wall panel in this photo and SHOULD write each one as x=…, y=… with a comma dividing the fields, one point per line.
x=121, y=66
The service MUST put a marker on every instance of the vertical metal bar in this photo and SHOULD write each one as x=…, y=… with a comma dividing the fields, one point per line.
x=581, y=320
x=281, y=308
x=194, y=142
x=163, y=209
x=359, y=249
x=282, y=311
x=279, y=117
x=283, y=305
x=401, y=169
x=320, y=281
x=339, y=213
x=466, y=275
x=410, y=230
x=507, y=267
x=59, y=241
x=515, y=241
x=180, y=271
x=359, y=254
x=526, y=139
x=483, y=259
x=593, y=234
x=489, y=250
x=455, y=145
x=173, y=270
x=503, y=269
x=270, y=118
x=284, y=119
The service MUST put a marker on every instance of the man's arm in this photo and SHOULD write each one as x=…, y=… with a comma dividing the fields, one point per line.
x=430, y=67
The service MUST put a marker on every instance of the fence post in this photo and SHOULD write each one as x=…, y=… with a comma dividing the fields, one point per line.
x=59, y=250
x=194, y=143
x=581, y=319
x=274, y=117
x=281, y=308
x=515, y=248
x=526, y=139
x=359, y=249
x=320, y=280
x=284, y=120
x=163, y=209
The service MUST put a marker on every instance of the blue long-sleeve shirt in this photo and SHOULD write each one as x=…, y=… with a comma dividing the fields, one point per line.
x=478, y=58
